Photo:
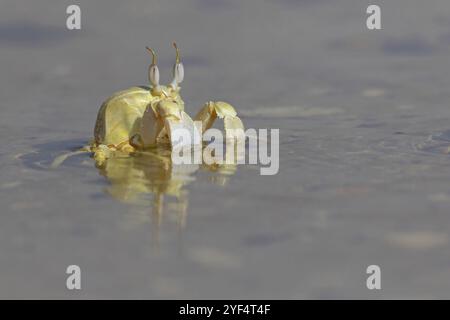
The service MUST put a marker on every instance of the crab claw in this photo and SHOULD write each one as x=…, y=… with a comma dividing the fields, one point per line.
x=167, y=117
x=181, y=126
x=151, y=126
x=222, y=110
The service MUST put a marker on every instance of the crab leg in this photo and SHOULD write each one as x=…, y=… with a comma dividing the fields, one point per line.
x=61, y=158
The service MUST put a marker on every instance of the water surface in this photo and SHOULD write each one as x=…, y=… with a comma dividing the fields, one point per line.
x=364, y=125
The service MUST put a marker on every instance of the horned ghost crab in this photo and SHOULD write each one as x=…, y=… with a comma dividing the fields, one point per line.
x=143, y=117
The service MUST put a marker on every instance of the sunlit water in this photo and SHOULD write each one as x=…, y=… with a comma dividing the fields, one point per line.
x=364, y=125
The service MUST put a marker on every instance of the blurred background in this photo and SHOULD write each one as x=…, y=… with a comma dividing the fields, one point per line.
x=364, y=123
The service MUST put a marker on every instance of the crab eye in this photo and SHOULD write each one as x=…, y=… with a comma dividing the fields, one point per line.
x=178, y=72
x=153, y=71
x=178, y=69
x=153, y=75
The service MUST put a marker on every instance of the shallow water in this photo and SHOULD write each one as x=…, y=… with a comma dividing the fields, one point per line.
x=364, y=127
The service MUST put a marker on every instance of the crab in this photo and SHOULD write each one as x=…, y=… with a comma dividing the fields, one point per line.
x=143, y=117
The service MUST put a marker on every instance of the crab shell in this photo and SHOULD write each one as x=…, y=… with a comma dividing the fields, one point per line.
x=120, y=116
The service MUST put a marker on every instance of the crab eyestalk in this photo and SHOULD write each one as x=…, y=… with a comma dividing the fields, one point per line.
x=153, y=71
x=178, y=69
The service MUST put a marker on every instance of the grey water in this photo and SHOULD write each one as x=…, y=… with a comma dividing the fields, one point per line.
x=364, y=177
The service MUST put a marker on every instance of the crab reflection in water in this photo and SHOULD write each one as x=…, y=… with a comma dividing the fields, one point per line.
x=151, y=178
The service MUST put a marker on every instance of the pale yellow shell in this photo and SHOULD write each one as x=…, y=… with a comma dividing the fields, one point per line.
x=119, y=117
